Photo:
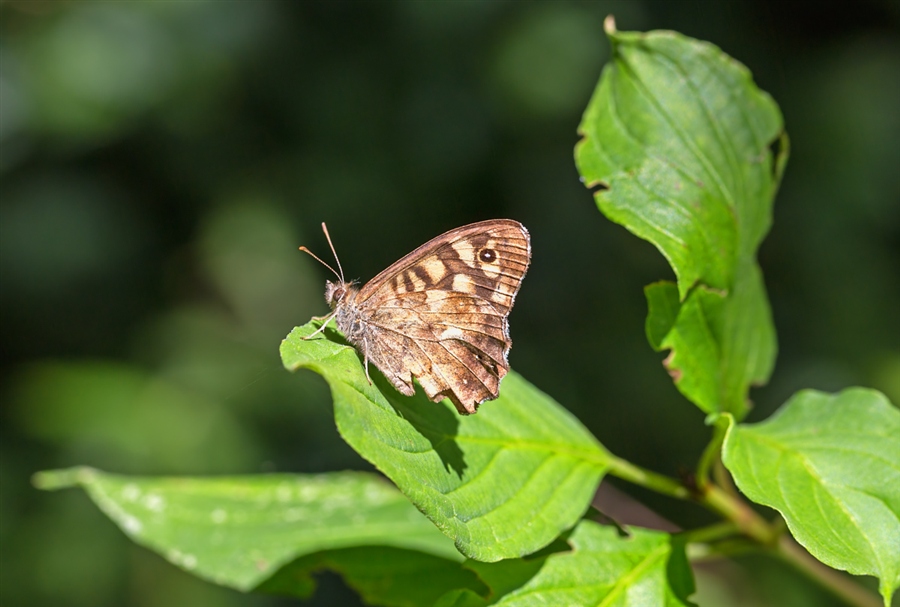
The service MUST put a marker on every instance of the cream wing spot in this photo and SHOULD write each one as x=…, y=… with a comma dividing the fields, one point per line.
x=466, y=253
x=417, y=283
x=451, y=333
x=435, y=269
x=463, y=284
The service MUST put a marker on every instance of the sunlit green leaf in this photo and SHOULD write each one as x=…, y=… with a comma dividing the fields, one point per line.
x=239, y=531
x=502, y=483
x=648, y=568
x=679, y=137
x=830, y=464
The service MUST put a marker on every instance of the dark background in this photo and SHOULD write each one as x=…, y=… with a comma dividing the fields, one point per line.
x=162, y=161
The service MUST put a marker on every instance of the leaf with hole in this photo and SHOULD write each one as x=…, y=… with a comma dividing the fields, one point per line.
x=682, y=140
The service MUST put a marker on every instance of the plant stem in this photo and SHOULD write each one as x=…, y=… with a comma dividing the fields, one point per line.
x=711, y=533
x=743, y=518
x=712, y=452
x=840, y=584
x=722, y=478
x=646, y=478
x=740, y=513
x=712, y=497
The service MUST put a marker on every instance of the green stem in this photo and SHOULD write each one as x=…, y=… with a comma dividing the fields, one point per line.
x=712, y=497
x=722, y=478
x=842, y=585
x=645, y=478
x=741, y=517
x=740, y=513
x=712, y=452
x=711, y=533
x=727, y=548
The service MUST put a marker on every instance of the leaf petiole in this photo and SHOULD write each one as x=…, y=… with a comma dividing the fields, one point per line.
x=713, y=452
x=646, y=478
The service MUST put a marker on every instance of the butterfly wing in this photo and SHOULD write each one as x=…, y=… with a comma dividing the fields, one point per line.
x=440, y=313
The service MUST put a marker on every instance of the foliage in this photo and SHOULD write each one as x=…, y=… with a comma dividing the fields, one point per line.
x=678, y=137
x=502, y=483
x=686, y=152
x=830, y=464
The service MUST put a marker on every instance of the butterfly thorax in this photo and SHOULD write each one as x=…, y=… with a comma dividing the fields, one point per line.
x=341, y=296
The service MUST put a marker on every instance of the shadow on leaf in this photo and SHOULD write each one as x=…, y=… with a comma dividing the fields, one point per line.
x=437, y=422
x=380, y=574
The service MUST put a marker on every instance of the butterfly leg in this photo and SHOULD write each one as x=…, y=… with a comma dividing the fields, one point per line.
x=324, y=324
x=366, y=357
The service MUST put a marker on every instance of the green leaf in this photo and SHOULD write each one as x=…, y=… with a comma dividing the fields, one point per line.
x=239, y=531
x=679, y=136
x=502, y=483
x=381, y=576
x=830, y=464
x=664, y=306
x=648, y=568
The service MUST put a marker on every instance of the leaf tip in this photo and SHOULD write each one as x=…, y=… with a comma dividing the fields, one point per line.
x=52, y=480
x=609, y=25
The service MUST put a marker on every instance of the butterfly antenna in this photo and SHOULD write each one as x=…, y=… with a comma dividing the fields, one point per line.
x=333, y=252
x=313, y=255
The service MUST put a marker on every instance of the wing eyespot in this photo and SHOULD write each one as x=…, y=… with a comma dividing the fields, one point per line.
x=487, y=255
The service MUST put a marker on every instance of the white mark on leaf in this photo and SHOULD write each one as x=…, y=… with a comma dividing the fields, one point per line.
x=131, y=492
x=155, y=502
x=131, y=525
x=309, y=493
x=188, y=561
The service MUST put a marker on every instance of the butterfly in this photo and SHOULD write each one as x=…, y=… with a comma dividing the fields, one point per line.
x=439, y=314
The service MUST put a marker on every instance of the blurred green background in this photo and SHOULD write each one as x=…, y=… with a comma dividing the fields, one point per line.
x=162, y=161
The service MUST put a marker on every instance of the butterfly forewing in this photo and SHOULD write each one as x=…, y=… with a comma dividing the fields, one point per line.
x=440, y=313
x=450, y=262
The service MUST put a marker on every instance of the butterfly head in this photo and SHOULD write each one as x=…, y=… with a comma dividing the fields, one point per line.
x=337, y=292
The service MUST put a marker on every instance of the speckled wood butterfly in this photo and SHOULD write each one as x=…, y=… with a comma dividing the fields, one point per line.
x=440, y=313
